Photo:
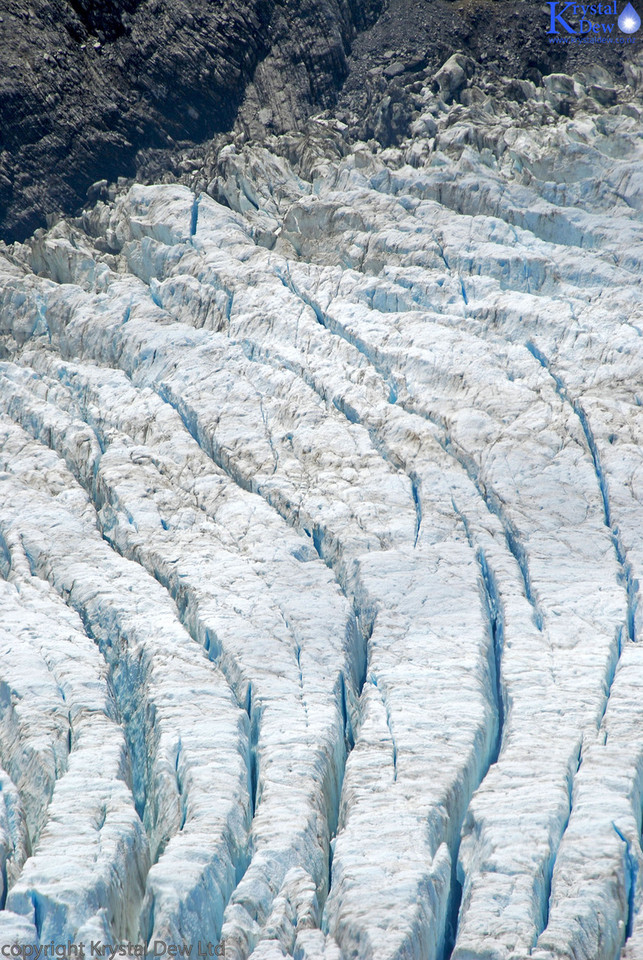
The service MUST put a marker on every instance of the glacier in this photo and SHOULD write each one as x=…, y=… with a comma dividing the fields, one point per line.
x=320, y=513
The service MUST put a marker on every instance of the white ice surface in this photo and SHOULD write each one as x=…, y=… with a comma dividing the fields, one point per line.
x=321, y=552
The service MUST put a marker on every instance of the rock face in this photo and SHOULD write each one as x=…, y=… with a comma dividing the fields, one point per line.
x=320, y=512
x=85, y=85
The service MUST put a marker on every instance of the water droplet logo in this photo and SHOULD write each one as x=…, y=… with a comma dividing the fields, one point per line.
x=629, y=21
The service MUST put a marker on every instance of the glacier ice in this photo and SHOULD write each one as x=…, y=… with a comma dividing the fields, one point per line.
x=320, y=549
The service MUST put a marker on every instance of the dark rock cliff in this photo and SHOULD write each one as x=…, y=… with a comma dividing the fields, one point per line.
x=92, y=90
x=85, y=85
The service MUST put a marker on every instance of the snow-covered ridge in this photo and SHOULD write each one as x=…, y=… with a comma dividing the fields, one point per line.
x=320, y=542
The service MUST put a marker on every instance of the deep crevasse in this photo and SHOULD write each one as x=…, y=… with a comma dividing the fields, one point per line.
x=360, y=471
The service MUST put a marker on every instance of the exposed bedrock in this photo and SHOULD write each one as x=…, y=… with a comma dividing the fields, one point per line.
x=84, y=86
x=91, y=92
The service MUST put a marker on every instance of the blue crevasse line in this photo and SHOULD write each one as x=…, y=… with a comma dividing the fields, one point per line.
x=554, y=852
x=364, y=617
x=452, y=919
x=518, y=552
x=348, y=727
x=346, y=410
x=38, y=913
x=253, y=761
x=415, y=491
x=494, y=506
x=155, y=298
x=443, y=255
x=631, y=876
x=511, y=536
x=179, y=784
x=631, y=585
x=5, y=886
x=5, y=559
x=493, y=606
x=41, y=326
x=326, y=321
x=389, y=724
x=194, y=216
x=464, y=521
x=374, y=681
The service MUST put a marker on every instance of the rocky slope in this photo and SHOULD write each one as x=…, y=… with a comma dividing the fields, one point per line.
x=85, y=87
x=320, y=508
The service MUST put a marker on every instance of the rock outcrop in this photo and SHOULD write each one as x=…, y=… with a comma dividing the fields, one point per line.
x=88, y=89
x=84, y=85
